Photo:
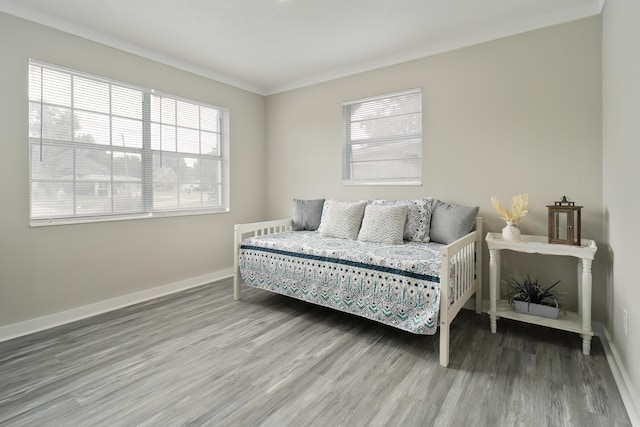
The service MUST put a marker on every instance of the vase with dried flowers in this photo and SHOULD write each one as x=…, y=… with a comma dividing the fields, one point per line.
x=513, y=215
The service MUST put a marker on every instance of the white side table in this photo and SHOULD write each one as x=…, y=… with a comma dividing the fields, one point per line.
x=579, y=322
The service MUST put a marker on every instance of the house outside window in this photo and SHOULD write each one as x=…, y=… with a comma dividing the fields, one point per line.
x=103, y=150
x=383, y=140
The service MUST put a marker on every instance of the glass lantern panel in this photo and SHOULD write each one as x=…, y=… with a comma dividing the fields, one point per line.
x=561, y=225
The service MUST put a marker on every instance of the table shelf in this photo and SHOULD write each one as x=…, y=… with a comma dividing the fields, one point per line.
x=573, y=322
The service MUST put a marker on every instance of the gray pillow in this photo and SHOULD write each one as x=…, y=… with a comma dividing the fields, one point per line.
x=307, y=214
x=451, y=222
x=341, y=219
x=383, y=224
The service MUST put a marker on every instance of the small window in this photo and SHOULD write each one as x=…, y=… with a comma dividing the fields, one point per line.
x=383, y=143
x=102, y=149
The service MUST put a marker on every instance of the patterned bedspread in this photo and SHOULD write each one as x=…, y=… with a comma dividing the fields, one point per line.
x=397, y=285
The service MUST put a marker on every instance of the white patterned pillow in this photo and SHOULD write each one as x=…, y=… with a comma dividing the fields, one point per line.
x=418, y=224
x=341, y=219
x=383, y=224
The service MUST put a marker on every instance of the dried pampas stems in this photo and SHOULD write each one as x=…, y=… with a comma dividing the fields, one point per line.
x=518, y=208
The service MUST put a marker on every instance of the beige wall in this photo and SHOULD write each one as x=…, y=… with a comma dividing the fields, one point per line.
x=621, y=136
x=517, y=115
x=48, y=270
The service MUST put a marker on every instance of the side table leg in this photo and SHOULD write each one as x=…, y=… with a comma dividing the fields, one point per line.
x=586, y=305
x=586, y=344
x=580, y=306
x=494, y=271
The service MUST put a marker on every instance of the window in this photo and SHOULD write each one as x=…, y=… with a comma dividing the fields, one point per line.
x=101, y=149
x=383, y=143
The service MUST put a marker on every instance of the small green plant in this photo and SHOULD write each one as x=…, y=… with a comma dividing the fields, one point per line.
x=531, y=291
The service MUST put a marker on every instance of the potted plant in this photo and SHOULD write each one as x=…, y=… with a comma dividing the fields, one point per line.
x=529, y=297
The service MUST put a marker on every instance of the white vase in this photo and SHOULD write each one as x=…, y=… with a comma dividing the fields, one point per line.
x=511, y=232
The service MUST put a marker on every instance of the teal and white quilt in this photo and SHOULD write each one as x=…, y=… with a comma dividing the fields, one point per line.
x=397, y=285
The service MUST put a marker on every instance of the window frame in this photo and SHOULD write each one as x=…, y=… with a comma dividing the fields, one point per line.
x=214, y=185
x=348, y=177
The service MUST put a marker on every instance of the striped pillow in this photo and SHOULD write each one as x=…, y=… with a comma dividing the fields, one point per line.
x=341, y=219
x=383, y=224
x=418, y=224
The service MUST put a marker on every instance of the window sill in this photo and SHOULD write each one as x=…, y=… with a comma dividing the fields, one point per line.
x=98, y=219
x=374, y=183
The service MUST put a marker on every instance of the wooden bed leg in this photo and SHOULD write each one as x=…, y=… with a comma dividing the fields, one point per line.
x=444, y=344
x=237, y=286
x=237, y=289
x=478, y=271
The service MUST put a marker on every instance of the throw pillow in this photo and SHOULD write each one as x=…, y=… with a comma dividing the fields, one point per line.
x=418, y=224
x=341, y=219
x=383, y=224
x=451, y=222
x=307, y=214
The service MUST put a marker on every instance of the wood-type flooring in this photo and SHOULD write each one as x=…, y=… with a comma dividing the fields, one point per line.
x=200, y=358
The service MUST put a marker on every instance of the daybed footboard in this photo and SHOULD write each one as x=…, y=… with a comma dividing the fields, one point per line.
x=241, y=231
x=462, y=265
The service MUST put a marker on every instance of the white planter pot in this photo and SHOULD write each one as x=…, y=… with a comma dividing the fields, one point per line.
x=536, y=309
x=511, y=232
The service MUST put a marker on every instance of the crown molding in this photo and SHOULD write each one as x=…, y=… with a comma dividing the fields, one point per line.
x=47, y=20
x=462, y=41
x=594, y=7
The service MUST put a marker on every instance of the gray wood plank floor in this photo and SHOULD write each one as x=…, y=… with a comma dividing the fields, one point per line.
x=200, y=358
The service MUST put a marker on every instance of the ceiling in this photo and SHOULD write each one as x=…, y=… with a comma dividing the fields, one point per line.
x=269, y=46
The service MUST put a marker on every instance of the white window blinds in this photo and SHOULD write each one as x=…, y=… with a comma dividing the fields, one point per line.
x=101, y=149
x=383, y=143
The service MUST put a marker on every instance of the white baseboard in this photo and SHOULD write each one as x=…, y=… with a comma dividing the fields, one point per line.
x=628, y=393
x=45, y=322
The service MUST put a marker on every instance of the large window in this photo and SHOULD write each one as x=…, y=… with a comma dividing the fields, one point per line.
x=383, y=143
x=101, y=149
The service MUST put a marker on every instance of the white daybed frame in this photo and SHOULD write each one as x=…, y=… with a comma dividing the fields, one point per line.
x=465, y=254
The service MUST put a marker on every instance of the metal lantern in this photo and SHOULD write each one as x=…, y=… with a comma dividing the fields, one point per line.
x=564, y=222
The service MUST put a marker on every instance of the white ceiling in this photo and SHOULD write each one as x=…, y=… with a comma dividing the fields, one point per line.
x=269, y=46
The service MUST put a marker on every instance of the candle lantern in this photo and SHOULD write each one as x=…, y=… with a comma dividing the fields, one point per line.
x=564, y=222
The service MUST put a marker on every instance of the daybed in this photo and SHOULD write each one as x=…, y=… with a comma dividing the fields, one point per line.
x=354, y=263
